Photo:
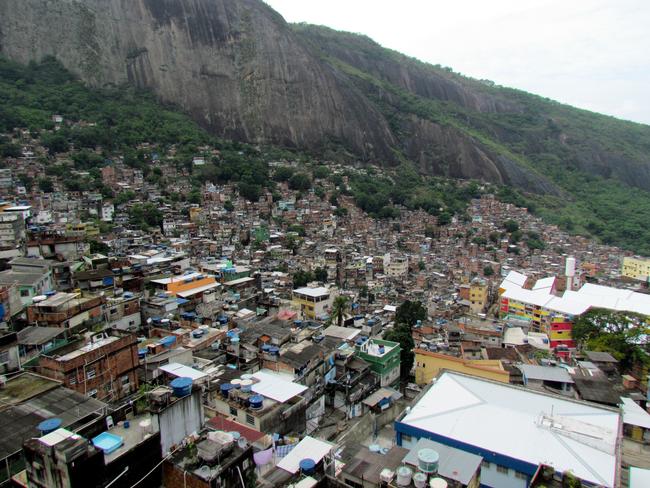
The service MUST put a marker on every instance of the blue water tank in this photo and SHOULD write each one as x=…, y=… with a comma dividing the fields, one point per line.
x=49, y=425
x=142, y=353
x=256, y=402
x=168, y=341
x=274, y=350
x=225, y=389
x=307, y=466
x=181, y=386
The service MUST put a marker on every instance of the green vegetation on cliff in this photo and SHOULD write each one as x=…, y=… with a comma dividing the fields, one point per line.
x=588, y=173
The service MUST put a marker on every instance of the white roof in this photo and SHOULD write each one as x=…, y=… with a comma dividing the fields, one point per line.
x=312, y=292
x=390, y=308
x=514, y=278
x=544, y=283
x=175, y=279
x=200, y=289
x=275, y=387
x=574, y=302
x=53, y=438
x=345, y=333
x=308, y=448
x=239, y=281
x=633, y=414
x=514, y=336
x=181, y=371
x=522, y=424
x=639, y=477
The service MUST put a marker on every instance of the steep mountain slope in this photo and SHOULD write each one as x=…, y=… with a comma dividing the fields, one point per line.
x=242, y=72
x=425, y=103
x=235, y=66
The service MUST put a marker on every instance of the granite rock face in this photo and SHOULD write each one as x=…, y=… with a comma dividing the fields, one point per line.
x=245, y=74
x=234, y=65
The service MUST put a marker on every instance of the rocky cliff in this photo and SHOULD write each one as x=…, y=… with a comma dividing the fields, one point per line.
x=242, y=72
x=235, y=66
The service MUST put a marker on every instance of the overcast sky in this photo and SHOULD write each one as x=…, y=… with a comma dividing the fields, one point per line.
x=594, y=54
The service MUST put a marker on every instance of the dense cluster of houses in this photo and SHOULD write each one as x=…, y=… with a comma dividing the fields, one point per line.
x=194, y=352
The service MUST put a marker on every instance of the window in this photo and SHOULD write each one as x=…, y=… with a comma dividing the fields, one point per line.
x=72, y=379
x=4, y=357
x=24, y=293
x=250, y=419
x=233, y=411
x=125, y=380
x=502, y=470
x=92, y=393
x=521, y=476
x=90, y=373
x=485, y=464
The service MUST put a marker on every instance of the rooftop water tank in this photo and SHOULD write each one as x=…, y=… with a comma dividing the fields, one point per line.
x=307, y=466
x=142, y=353
x=404, y=475
x=437, y=483
x=256, y=402
x=246, y=385
x=236, y=383
x=181, y=386
x=49, y=425
x=225, y=389
x=168, y=341
x=428, y=460
x=420, y=480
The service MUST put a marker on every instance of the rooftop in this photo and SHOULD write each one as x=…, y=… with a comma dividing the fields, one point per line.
x=140, y=429
x=312, y=292
x=521, y=424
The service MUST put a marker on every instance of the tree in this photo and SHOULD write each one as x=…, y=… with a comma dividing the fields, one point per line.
x=45, y=185
x=228, y=206
x=406, y=316
x=250, y=192
x=300, y=181
x=26, y=181
x=320, y=274
x=321, y=172
x=339, y=307
x=487, y=270
x=511, y=226
x=99, y=247
x=54, y=143
x=410, y=312
x=624, y=335
x=283, y=173
x=301, y=278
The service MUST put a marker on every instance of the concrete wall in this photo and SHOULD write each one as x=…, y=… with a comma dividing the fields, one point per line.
x=180, y=419
x=429, y=364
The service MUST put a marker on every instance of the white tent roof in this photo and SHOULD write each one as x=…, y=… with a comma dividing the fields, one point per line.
x=639, y=477
x=633, y=414
x=308, y=448
x=182, y=371
x=275, y=387
x=522, y=424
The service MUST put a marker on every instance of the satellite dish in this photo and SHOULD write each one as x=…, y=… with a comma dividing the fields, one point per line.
x=242, y=443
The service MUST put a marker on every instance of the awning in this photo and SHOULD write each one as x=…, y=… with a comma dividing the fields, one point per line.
x=200, y=289
x=181, y=371
x=308, y=448
x=633, y=414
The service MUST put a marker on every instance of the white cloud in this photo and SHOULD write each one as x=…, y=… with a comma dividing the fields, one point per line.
x=589, y=53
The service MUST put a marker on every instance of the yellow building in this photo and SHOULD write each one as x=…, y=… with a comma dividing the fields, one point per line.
x=88, y=228
x=312, y=302
x=428, y=364
x=478, y=296
x=636, y=268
